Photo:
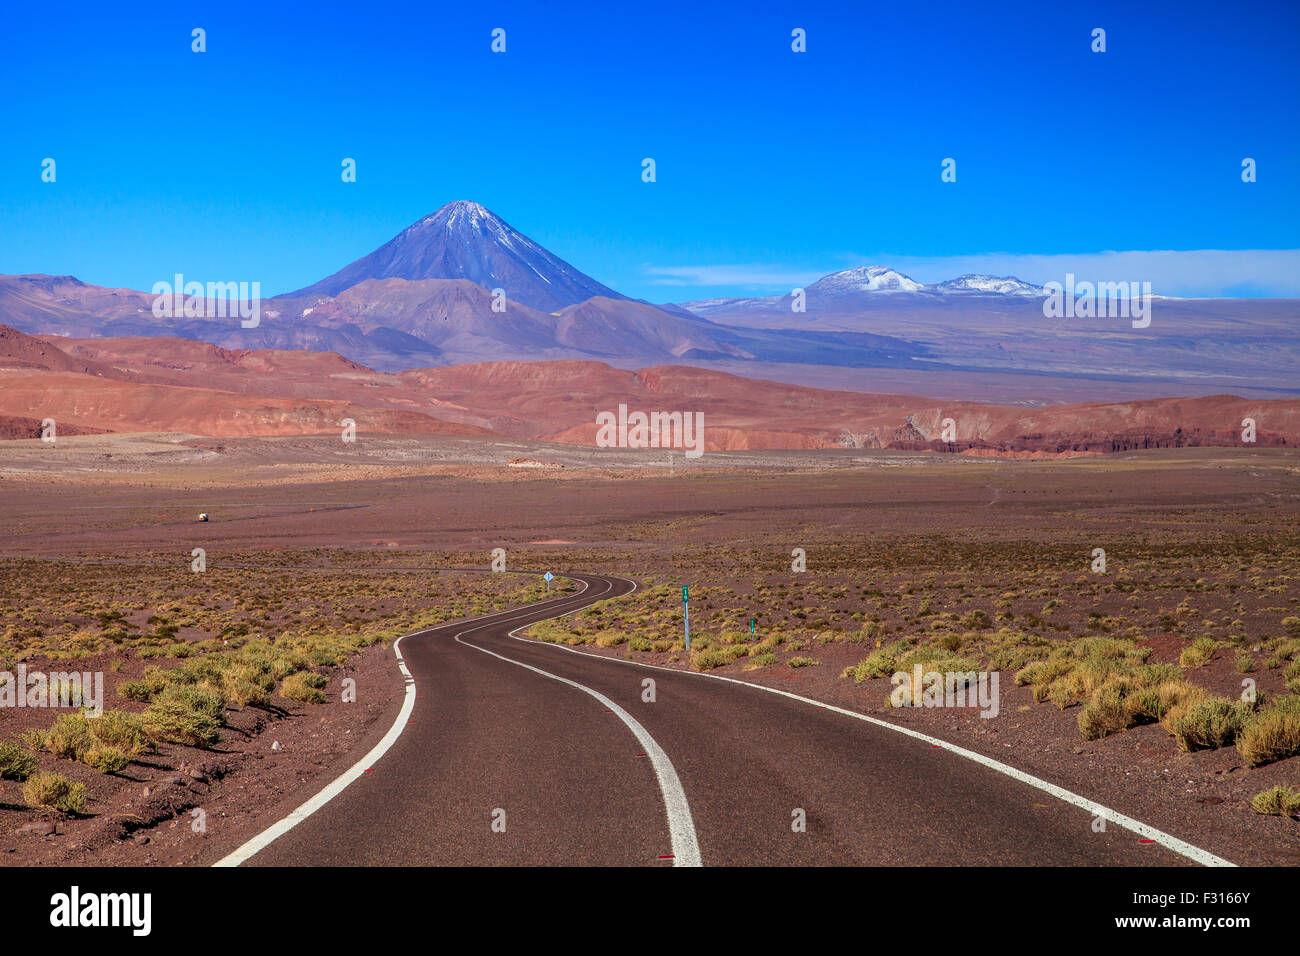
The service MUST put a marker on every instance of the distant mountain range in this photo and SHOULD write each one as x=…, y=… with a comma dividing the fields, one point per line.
x=462, y=285
x=856, y=288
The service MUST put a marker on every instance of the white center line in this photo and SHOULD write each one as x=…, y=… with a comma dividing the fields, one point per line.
x=1144, y=830
x=349, y=776
x=681, y=826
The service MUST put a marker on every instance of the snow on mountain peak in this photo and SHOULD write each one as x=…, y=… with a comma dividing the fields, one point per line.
x=866, y=279
x=464, y=240
x=884, y=279
x=998, y=285
x=461, y=211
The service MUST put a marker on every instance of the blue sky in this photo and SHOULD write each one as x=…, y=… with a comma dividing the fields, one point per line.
x=772, y=167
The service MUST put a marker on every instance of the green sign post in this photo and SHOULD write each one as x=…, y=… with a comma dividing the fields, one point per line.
x=686, y=615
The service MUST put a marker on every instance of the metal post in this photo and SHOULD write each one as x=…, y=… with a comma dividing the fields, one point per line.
x=686, y=615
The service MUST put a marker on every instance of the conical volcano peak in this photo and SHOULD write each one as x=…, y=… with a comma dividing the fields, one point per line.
x=461, y=211
x=466, y=240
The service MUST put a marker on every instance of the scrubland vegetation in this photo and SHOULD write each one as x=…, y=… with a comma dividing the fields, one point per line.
x=181, y=647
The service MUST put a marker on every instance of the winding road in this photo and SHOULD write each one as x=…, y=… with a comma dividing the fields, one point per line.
x=509, y=751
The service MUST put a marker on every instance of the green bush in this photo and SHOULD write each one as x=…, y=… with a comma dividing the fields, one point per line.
x=1211, y=724
x=297, y=687
x=15, y=762
x=69, y=737
x=185, y=715
x=120, y=731
x=881, y=662
x=146, y=688
x=106, y=759
x=1108, y=711
x=709, y=658
x=1279, y=801
x=1271, y=734
x=1199, y=654
x=55, y=792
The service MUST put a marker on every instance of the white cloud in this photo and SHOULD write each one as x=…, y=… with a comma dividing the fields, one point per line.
x=765, y=278
x=1193, y=273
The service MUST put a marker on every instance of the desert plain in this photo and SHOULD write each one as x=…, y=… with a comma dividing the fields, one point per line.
x=1160, y=684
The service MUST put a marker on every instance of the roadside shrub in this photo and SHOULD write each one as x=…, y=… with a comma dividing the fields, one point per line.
x=802, y=662
x=296, y=687
x=185, y=715
x=865, y=635
x=144, y=689
x=1278, y=801
x=69, y=737
x=1166, y=700
x=1040, y=674
x=1108, y=711
x=761, y=660
x=1143, y=696
x=709, y=658
x=106, y=759
x=246, y=691
x=879, y=663
x=120, y=731
x=15, y=762
x=1271, y=734
x=327, y=656
x=1211, y=724
x=935, y=658
x=55, y=792
x=1199, y=654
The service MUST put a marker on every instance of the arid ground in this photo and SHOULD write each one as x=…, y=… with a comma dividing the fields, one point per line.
x=1125, y=685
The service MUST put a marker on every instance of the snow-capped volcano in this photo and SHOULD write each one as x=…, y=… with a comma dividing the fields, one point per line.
x=989, y=285
x=464, y=240
x=864, y=279
x=885, y=279
x=870, y=287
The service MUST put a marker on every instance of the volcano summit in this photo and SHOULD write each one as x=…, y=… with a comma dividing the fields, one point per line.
x=464, y=240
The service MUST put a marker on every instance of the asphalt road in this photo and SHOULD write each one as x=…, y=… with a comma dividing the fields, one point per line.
x=518, y=753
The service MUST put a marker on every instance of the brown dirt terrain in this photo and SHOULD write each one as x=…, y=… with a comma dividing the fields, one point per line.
x=1201, y=543
x=150, y=385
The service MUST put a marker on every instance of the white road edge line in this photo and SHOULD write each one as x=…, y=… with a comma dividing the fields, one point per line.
x=1194, y=853
x=681, y=826
x=341, y=783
